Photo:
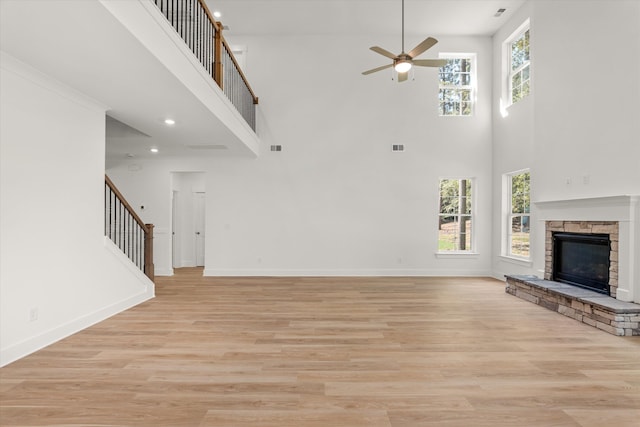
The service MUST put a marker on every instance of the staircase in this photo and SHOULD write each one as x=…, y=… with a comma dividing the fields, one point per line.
x=125, y=228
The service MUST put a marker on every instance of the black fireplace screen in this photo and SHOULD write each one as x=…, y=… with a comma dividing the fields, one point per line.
x=582, y=260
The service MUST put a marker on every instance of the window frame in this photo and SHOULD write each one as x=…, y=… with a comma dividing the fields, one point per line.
x=510, y=72
x=471, y=250
x=509, y=215
x=471, y=87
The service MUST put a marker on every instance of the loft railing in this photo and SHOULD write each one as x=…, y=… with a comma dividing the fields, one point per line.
x=125, y=228
x=203, y=35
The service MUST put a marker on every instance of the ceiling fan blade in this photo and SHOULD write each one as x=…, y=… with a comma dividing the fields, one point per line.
x=402, y=77
x=426, y=44
x=383, y=52
x=430, y=62
x=377, y=69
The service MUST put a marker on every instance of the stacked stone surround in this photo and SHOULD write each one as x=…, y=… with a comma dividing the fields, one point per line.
x=584, y=227
x=592, y=308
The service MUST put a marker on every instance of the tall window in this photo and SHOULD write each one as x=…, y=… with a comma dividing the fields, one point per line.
x=455, y=215
x=457, y=82
x=520, y=65
x=519, y=218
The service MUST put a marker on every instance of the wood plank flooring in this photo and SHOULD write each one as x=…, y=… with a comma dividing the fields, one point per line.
x=329, y=352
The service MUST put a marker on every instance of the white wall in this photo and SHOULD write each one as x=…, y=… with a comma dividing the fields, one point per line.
x=586, y=107
x=336, y=200
x=578, y=130
x=56, y=265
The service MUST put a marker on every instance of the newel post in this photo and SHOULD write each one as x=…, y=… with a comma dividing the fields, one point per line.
x=217, y=54
x=148, y=252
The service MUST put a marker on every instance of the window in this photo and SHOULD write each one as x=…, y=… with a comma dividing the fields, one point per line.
x=457, y=91
x=519, y=65
x=519, y=218
x=455, y=220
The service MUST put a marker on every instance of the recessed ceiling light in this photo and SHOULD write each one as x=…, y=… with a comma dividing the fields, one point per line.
x=154, y=150
x=169, y=122
x=499, y=12
x=217, y=14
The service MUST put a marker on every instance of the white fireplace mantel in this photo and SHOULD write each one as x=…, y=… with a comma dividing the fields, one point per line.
x=610, y=208
x=624, y=209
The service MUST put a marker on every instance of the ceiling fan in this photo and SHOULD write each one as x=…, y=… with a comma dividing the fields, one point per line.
x=403, y=62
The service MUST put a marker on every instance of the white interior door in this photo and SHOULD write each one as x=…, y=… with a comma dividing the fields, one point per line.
x=175, y=247
x=199, y=212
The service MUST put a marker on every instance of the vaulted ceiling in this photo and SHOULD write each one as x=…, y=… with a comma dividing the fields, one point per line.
x=296, y=17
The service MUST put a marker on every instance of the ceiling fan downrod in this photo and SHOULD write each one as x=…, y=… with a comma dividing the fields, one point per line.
x=402, y=26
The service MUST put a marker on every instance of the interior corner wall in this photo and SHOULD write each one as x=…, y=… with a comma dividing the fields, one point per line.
x=513, y=140
x=58, y=275
x=578, y=130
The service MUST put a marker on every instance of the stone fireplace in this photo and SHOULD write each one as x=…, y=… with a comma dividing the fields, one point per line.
x=612, y=306
x=617, y=216
x=582, y=228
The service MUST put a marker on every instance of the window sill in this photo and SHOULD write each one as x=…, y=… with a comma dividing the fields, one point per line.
x=452, y=254
x=518, y=261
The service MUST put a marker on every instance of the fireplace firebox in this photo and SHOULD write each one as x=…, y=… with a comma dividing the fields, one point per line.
x=582, y=260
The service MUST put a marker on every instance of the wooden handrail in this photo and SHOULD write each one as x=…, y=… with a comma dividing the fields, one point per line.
x=244, y=78
x=220, y=42
x=197, y=26
x=136, y=244
x=215, y=23
x=125, y=203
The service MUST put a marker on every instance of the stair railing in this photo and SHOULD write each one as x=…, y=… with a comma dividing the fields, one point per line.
x=125, y=228
x=203, y=35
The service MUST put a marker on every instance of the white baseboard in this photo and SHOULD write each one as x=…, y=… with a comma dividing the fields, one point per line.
x=163, y=272
x=343, y=273
x=35, y=343
x=30, y=345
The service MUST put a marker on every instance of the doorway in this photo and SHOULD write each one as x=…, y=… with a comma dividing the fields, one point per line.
x=199, y=215
x=188, y=219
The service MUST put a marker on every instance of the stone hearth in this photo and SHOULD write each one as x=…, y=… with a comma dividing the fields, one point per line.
x=616, y=216
x=589, y=307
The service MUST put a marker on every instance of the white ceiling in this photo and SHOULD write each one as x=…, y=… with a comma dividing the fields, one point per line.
x=363, y=17
x=82, y=45
x=44, y=34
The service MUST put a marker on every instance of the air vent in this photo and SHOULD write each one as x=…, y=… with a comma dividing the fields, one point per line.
x=276, y=148
x=500, y=12
x=397, y=147
x=207, y=147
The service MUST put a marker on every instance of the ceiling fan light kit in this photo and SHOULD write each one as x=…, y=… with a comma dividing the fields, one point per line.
x=404, y=62
x=402, y=66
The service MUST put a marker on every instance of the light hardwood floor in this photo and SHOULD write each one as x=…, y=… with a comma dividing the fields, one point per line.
x=329, y=352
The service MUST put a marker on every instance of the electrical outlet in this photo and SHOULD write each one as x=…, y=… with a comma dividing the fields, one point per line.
x=33, y=314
